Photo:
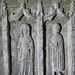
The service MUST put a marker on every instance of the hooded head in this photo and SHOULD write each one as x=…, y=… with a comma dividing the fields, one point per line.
x=56, y=28
x=25, y=30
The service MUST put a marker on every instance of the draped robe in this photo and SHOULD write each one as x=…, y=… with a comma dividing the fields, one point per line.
x=57, y=53
x=25, y=56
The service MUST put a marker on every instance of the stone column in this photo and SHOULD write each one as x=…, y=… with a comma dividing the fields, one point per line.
x=73, y=41
x=40, y=39
x=5, y=41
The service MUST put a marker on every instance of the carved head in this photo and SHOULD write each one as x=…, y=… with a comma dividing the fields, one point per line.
x=56, y=28
x=25, y=30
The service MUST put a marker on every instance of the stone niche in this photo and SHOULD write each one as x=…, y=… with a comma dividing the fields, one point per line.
x=37, y=37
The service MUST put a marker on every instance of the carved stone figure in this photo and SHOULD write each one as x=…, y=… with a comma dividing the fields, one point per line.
x=25, y=51
x=40, y=17
x=57, y=51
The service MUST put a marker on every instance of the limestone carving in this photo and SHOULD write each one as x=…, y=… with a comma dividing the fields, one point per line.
x=25, y=51
x=40, y=21
x=59, y=10
x=57, y=51
x=72, y=17
x=72, y=9
x=55, y=10
x=41, y=17
x=2, y=7
x=72, y=13
x=50, y=14
x=23, y=10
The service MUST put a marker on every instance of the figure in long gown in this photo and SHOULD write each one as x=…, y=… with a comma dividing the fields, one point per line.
x=25, y=51
x=57, y=51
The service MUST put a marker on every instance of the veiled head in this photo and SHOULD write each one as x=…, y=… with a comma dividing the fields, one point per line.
x=25, y=30
x=56, y=28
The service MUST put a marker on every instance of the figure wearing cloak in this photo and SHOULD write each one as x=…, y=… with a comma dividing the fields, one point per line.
x=57, y=51
x=25, y=51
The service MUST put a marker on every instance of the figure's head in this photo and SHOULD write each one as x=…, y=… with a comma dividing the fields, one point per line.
x=56, y=28
x=25, y=30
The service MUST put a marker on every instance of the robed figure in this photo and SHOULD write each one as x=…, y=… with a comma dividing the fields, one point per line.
x=25, y=51
x=57, y=51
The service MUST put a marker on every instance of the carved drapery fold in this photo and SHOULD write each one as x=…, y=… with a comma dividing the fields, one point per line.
x=25, y=43
x=57, y=51
x=25, y=51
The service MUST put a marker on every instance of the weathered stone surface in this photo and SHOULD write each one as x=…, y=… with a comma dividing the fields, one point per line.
x=1, y=53
x=25, y=51
x=42, y=15
x=57, y=51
